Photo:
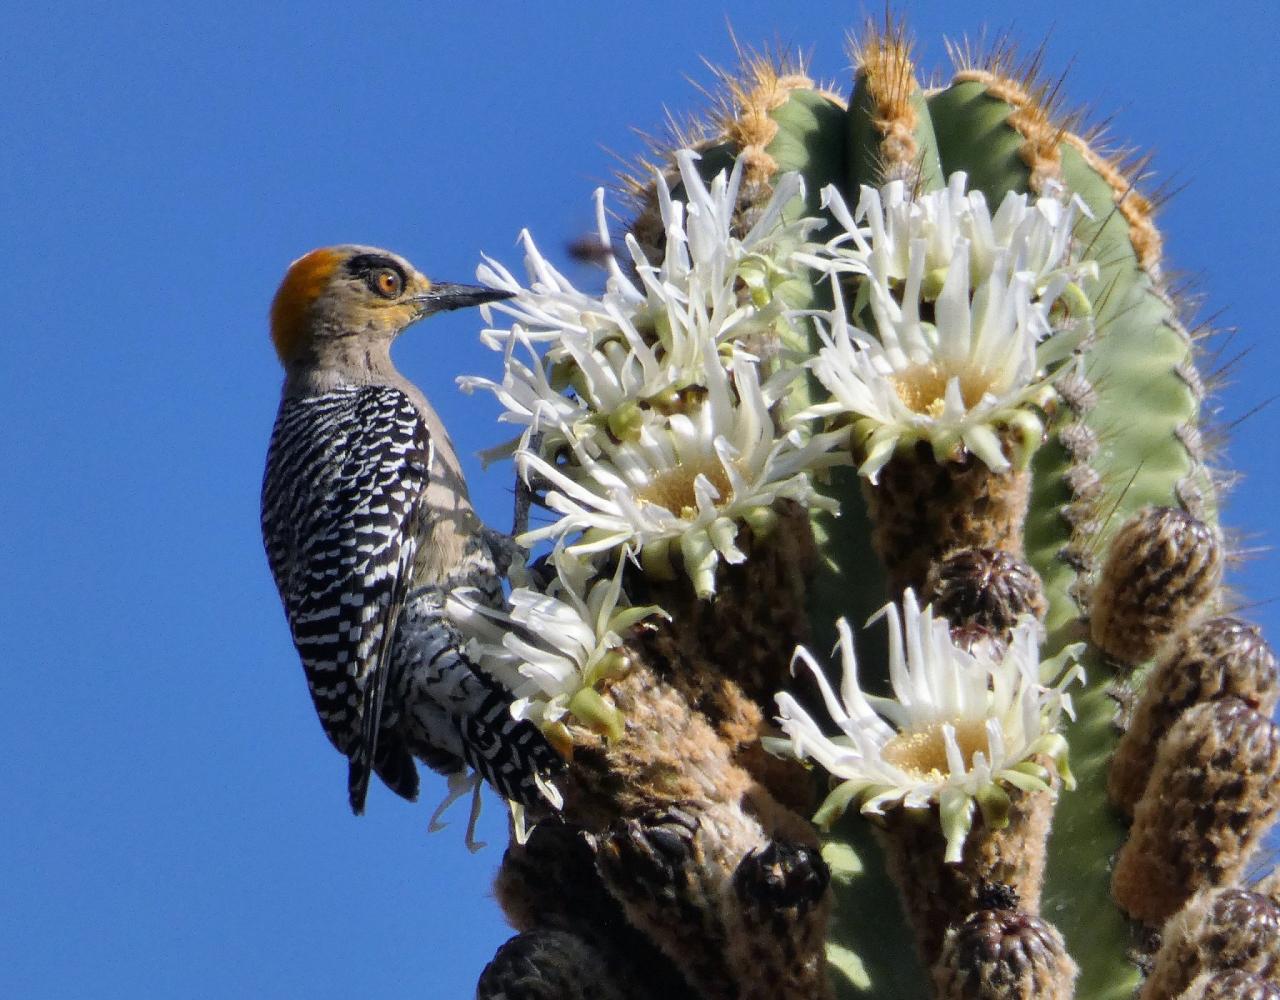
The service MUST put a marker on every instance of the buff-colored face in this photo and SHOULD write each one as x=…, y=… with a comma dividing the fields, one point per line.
x=356, y=291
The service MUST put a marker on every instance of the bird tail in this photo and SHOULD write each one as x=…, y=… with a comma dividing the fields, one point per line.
x=510, y=754
x=358, y=770
x=461, y=716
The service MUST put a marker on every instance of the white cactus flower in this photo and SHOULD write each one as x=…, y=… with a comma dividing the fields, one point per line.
x=961, y=724
x=642, y=340
x=965, y=330
x=688, y=480
x=552, y=649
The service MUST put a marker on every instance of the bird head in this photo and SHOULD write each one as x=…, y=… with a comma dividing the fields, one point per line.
x=342, y=292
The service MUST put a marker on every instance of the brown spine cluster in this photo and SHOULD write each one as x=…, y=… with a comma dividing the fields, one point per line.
x=1136, y=208
x=884, y=69
x=1219, y=934
x=1220, y=658
x=1032, y=101
x=741, y=117
x=1214, y=790
x=1162, y=568
x=1019, y=83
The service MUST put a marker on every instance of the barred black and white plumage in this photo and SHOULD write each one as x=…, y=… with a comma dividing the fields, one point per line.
x=368, y=527
x=346, y=473
x=455, y=715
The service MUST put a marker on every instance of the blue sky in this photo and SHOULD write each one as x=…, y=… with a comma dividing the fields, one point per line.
x=174, y=822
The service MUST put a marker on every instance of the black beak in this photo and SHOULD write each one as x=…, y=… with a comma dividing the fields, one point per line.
x=444, y=296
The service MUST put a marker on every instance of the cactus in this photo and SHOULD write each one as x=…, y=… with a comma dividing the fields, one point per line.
x=854, y=356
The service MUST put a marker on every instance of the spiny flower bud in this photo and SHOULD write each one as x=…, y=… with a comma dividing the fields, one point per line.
x=1218, y=930
x=1163, y=565
x=1214, y=790
x=1232, y=985
x=1269, y=884
x=986, y=588
x=1004, y=954
x=1221, y=658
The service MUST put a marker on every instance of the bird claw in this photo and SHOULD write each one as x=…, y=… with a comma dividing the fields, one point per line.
x=503, y=549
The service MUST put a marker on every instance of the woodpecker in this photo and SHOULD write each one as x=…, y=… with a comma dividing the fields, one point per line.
x=368, y=527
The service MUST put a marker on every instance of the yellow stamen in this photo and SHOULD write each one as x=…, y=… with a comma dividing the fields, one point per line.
x=674, y=489
x=922, y=753
x=923, y=388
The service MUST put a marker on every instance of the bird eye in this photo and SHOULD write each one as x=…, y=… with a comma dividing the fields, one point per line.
x=386, y=282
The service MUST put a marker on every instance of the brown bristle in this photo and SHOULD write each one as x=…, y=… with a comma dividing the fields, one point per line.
x=1221, y=658
x=1214, y=790
x=744, y=98
x=1218, y=930
x=1163, y=567
x=882, y=60
x=1136, y=209
x=1034, y=101
x=740, y=104
x=1038, y=117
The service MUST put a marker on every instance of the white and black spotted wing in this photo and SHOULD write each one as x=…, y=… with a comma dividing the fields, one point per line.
x=346, y=471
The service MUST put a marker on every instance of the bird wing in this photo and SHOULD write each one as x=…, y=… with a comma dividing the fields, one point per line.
x=417, y=470
x=354, y=471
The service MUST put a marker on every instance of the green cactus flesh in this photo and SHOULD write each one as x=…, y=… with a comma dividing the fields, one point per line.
x=849, y=581
x=1133, y=367
x=864, y=141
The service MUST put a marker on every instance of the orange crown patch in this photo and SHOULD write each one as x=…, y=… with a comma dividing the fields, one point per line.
x=305, y=280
